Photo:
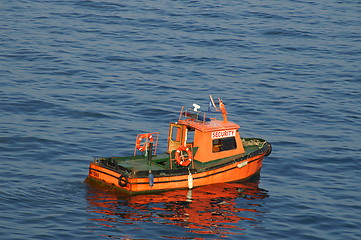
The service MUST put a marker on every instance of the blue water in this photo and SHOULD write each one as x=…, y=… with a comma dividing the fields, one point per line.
x=79, y=79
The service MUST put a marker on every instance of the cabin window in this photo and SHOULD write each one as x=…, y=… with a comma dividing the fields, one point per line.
x=190, y=135
x=224, y=144
x=176, y=134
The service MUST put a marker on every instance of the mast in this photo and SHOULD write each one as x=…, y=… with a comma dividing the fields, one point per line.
x=223, y=110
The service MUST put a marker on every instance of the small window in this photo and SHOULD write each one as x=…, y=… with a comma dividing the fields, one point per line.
x=176, y=132
x=224, y=144
x=190, y=135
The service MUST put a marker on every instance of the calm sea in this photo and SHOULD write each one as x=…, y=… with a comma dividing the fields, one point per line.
x=79, y=79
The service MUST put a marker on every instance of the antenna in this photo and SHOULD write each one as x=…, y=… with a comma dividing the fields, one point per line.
x=196, y=107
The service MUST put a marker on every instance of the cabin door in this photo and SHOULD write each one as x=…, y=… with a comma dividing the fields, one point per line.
x=176, y=136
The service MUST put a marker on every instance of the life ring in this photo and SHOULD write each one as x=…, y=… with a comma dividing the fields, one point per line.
x=181, y=159
x=143, y=147
x=123, y=180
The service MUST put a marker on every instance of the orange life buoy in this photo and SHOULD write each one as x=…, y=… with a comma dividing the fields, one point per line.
x=182, y=159
x=142, y=147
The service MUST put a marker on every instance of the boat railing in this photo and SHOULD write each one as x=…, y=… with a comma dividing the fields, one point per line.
x=192, y=115
x=150, y=144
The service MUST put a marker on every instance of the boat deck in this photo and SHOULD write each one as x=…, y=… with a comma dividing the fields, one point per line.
x=140, y=163
x=161, y=162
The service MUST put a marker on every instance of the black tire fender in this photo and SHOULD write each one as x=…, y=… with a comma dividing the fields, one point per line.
x=269, y=150
x=123, y=180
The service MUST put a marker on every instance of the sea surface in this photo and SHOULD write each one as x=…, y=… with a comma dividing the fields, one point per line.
x=80, y=78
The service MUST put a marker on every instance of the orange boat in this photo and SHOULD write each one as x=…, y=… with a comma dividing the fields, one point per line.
x=201, y=151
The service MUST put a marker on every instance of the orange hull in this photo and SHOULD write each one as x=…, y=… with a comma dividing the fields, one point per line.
x=240, y=170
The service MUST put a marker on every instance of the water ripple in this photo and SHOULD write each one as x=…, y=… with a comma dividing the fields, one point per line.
x=79, y=79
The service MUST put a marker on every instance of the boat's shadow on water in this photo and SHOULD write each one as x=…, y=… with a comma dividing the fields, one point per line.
x=221, y=209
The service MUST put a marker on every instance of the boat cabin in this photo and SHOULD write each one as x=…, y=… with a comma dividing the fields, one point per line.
x=208, y=139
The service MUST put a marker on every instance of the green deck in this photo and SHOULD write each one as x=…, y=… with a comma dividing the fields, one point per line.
x=161, y=162
x=140, y=163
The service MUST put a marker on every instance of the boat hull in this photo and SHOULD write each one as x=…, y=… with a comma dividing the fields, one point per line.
x=237, y=169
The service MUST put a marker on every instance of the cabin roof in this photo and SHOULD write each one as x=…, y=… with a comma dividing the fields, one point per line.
x=209, y=126
x=200, y=121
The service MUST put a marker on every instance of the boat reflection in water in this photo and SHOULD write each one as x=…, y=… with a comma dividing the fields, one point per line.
x=219, y=209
